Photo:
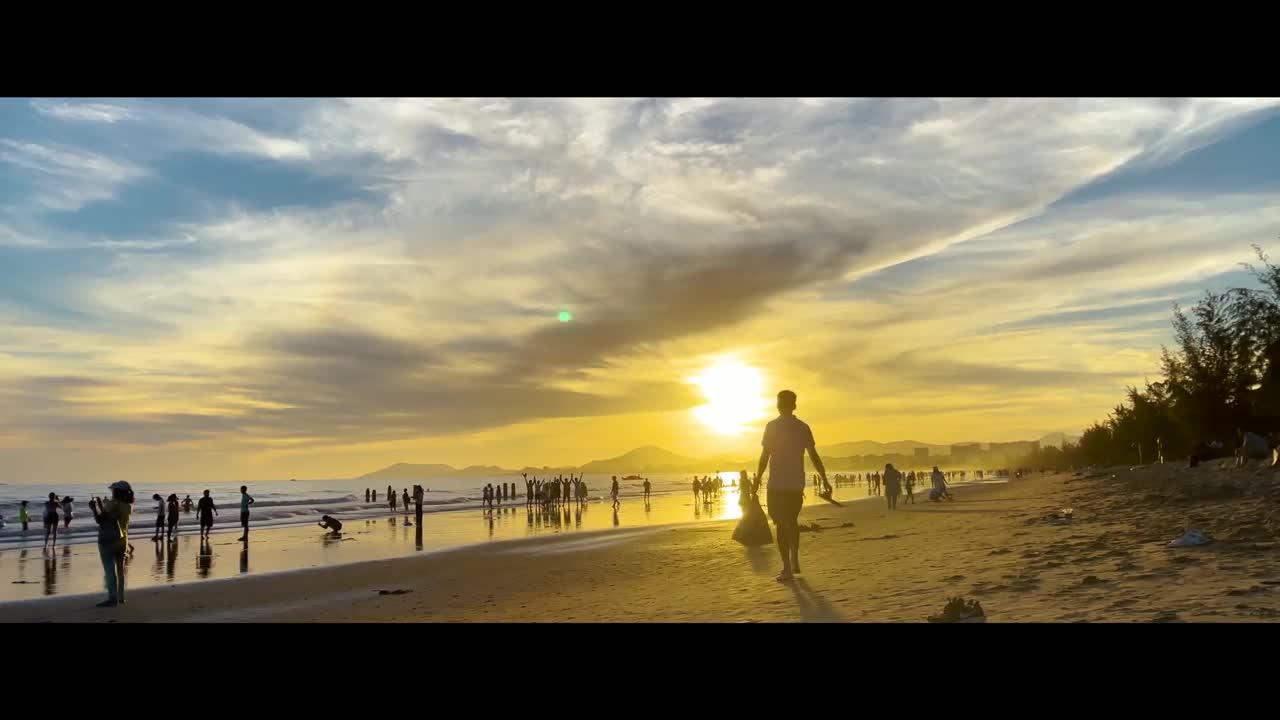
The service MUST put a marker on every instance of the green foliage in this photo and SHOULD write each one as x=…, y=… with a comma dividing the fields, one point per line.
x=1222, y=374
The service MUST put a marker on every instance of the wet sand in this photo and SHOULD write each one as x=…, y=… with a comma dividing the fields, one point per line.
x=993, y=544
x=29, y=572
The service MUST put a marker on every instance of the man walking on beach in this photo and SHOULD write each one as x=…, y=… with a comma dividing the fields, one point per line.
x=786, y=439
x=245, y=502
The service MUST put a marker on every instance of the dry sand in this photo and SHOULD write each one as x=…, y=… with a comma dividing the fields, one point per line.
x=1109, y=563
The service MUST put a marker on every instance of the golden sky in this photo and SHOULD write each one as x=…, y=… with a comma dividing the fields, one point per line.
x=256, y=289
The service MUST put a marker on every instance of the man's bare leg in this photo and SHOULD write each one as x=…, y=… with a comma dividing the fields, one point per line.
x=784, y=549
x=795, y=548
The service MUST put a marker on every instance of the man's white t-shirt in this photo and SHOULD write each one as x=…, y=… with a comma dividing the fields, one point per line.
x=787, y=438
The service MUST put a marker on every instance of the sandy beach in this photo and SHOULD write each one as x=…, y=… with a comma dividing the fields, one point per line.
x=993, y=544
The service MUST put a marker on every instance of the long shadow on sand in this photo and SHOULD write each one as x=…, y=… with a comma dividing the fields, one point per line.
x=813, y=608
x=760, y=558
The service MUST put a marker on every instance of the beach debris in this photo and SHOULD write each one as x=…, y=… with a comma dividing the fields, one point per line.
x=397, y=591
x=1062, y=517
x=846, y=524
x=1191, y=538
x=959, y=610
x=24, y=582
x=1092, y=580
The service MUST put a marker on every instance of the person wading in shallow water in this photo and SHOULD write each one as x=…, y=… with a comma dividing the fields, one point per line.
x=786, y=440
x=245, y=501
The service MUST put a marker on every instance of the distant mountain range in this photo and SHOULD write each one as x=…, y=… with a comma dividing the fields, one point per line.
x=655, y=460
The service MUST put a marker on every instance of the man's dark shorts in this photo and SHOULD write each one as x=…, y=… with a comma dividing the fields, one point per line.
x=244, y=518
x=784, y=505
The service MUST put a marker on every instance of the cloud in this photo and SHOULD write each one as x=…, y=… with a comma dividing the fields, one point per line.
x=66, y=178
x=172, y=128
x=823, y=236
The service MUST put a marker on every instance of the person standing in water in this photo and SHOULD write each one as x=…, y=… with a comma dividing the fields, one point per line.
x=613, y=491
x=366, y=494
x=785, y=442
x=911, y=487
x=66, y=512
x=187, y=504
x=159, y=517
x=245, y=502
x=112, y=517
x=51, y=507
x=206, y=510
x=24, y=517
x=405, y=497
x=174, y=511
x=647, y=487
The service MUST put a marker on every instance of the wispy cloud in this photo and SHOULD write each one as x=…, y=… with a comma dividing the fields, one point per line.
x=65, y=178
x=868, y=247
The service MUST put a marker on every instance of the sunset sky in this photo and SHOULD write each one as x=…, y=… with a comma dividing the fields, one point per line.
x=256, y=289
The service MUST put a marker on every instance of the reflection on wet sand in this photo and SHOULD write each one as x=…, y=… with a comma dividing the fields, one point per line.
x=170, y=567
x=50, y=573
x=204, y=561
x=365, y=539
x=244, y=559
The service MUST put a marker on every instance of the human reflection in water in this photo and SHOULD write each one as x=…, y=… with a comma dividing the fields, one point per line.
x=577, y=516
x=173, y=559
x=615, y=517
x=204, y=561
x=244, y=559
x=530, y=511
x=647, y=506
x=417, y=537
x=50, y=573
x=489, y=516
x=158, y=571
x=697, y=510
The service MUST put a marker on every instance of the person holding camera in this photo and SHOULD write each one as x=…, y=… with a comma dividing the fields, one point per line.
x=112, y=517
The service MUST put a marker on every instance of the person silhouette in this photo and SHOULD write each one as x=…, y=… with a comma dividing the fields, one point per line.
x=783, y=447
x=245, y=501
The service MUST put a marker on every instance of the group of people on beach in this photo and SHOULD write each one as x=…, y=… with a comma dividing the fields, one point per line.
x=393, y=500
x=708, y=489
x=168, y=511
x=55, y=510
x=547, y=491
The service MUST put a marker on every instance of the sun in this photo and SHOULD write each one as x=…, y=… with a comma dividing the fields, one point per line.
x=735, y=396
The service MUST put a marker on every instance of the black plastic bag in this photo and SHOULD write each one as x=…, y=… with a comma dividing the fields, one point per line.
x=753, y=529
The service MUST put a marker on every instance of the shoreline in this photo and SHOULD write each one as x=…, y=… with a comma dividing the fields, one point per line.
x=321, y=593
